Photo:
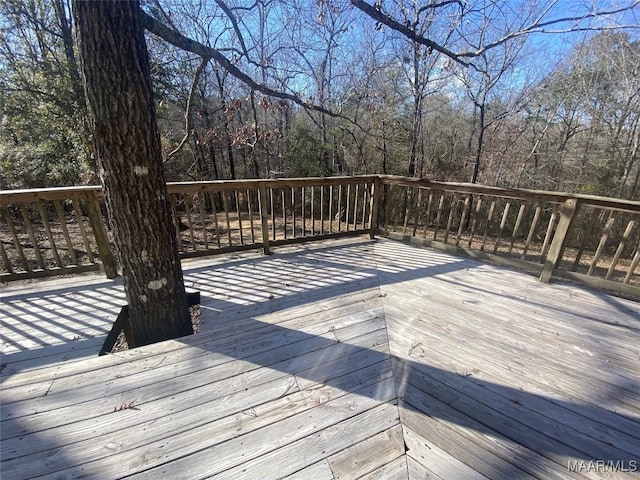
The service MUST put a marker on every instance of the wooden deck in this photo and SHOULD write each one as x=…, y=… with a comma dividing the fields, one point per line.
x=344, y=359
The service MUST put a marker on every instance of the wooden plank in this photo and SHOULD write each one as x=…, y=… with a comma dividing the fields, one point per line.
x=418, y=471
x=259, y=351
x=368, y=455
x=317, y=471
x=533, y=368
x=230, y=412
x=315, y=446
x=289, y=444
x=508, y=380
x=491, y=453
x=394, y=470
x=436, y=460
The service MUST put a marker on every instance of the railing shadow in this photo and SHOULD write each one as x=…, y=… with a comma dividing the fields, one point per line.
x=237, y=294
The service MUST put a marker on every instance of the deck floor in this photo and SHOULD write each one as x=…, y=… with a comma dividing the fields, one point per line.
x=335, y=360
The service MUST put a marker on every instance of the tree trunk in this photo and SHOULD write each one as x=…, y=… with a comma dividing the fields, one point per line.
x=117, y=82
x=476, y=163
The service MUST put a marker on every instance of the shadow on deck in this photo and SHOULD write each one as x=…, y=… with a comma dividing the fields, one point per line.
x=343, y=360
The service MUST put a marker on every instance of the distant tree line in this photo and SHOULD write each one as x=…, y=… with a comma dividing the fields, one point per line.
x=519, y=116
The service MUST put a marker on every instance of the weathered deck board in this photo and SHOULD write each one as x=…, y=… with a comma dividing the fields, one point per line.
x=346, y=359
x=490, y=364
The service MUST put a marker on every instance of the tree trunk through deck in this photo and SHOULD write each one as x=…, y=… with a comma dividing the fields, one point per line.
x=115, y=65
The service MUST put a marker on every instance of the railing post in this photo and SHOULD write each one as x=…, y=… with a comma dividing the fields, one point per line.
x=376, y=192
x=568, y=213
x=100, y=234
x=262, y=192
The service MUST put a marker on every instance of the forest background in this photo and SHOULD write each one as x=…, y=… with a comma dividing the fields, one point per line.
x=555, y=107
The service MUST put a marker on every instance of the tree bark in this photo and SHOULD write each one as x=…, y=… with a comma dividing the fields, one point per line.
x=117, y=84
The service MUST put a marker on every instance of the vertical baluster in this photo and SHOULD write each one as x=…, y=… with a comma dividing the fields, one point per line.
x=516, y=227
x=250, y=210
x=418, y=212
x=302, y=211
x=355, y=207
x=273, y=213
x=463, y=218
x=293, y=211
x=201, y=204
x=439, y=215
x=187, y=209
x=549, y=235
x=239, y=213
x=486, y=226
x=330, y=208
x=16, y=240
x=264, y=217
x=427, y=218
x=632, y=267
x=321, y=209
x=5, y=259
x=532, y=230
x=284, y=212
x=407, y=210
x=225, y=206
x=83, y=231
x=452, y=211
x=65, y=232
x=47, y=229
x=214, y=212
x=347, y=212
x=313, y=210
x=621, y=245
x=474, y=220
x=176, y=220
x=503, y=222
x=32, y=236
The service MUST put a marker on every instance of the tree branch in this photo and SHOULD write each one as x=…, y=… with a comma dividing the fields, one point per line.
x=178, y=40
x=188, y=112
x=384, y=19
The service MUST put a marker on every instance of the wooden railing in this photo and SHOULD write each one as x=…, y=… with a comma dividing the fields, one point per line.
x=56, y=231
x=595, y=240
